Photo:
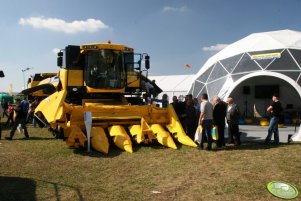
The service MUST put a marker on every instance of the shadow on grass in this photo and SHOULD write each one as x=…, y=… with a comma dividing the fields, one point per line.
x=244, y=136
x=251, y=143
x=256, y=145
x=157, y=145
x=17, y=188
x=256, y=142
x=113, y=152
x=59, y=187
x=250, y=146
x=35, y=138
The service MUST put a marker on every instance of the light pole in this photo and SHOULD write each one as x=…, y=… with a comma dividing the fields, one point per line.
x=23, y=71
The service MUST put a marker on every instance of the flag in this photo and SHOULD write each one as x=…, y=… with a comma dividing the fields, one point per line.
x=11, y=89
x=187, y=65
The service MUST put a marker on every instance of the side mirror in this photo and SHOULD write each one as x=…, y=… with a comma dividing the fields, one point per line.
x=60, y=54
x=147, y=66
x=1, y=73
x=60, y=59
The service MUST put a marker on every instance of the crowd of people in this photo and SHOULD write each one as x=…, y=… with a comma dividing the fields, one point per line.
x=18, y=115
x=193, y=114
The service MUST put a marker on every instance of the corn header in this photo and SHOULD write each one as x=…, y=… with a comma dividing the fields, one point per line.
x=105, y=79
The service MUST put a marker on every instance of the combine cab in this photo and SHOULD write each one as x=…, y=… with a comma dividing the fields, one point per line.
x=105, y=79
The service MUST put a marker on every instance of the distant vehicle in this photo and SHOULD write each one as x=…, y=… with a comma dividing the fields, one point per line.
x=5, y=95
x=39, y=80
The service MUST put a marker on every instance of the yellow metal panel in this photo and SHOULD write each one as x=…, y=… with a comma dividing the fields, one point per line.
x=75, y=77
x=135, y=131
x=76, y=138
x=133, y=80
x=140, y=131
x=163, y=136
x=177, y=130
x=106, y=115
x=93, y=90
x=63, y=77
x=99, y=140
x=32, y=84
x=52, y=106
x=121, y=138
x=96, y=46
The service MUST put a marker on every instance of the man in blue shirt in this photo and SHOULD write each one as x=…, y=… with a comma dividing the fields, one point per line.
x=19, y=119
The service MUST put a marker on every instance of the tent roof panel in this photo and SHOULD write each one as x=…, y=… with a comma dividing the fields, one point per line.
x=173, y=82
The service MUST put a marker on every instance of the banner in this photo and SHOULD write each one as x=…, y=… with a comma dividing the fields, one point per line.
x=275, y=55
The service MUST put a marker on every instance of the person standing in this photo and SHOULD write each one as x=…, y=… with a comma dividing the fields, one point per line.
x=5, y=107
x=19, y=119
x=149, y=88
x=190, y=118
x=176, y=105
x=179, y=108
x=274, y=109
x=25, y=107
x=233, y=115
x=30, y=114
x=206, y=120
x=164, y=101
x=197, y=106
x=0, y=129
x=219, y=118
x=10, y=119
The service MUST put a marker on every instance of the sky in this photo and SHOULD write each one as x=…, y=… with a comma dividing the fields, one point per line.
x=173, y=32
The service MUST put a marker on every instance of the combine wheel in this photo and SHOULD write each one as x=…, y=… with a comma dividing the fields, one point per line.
x=59, y=133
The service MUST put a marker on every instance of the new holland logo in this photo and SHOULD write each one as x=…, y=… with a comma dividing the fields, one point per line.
x=282, y=189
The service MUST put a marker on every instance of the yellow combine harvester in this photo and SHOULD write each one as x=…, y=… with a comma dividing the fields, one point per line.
x=105, y=79
x=37, y=81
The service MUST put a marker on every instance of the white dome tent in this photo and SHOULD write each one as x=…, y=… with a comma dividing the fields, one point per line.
x=252, y=69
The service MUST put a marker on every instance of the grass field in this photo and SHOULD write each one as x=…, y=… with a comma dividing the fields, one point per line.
x=43, y=168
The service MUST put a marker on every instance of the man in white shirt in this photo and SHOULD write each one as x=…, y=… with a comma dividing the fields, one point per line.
x=206, y=120
x=233, y=115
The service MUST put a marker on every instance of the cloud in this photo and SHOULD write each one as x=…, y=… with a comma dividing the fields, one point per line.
x=214, y=48
x=174, y=9
x=59, y=25
x=55, y=50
